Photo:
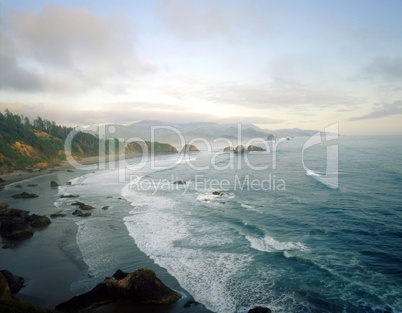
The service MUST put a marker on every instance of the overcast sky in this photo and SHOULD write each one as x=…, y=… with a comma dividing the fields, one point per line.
x=277, y=64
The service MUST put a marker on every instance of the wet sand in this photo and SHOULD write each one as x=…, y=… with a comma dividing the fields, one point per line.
x=51, y=260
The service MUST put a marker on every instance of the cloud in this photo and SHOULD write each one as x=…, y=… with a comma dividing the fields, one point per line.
x=267, y=96
x=210, y=19
x=380, y=111
x=386, y=68
x=62, y=49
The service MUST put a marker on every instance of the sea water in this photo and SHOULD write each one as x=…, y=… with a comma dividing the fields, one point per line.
x=274, y=235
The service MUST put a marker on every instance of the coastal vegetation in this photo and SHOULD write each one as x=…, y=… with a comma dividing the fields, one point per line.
x=38, y=143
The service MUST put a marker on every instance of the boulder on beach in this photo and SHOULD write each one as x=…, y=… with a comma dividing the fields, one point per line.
x=54, y=184
x=141, y=286
x=24, y=195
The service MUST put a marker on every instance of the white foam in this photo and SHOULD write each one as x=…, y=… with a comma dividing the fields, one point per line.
x=269, y=244
x=184, y=245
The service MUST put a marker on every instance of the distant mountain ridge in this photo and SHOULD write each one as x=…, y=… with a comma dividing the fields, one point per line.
x=177, y=133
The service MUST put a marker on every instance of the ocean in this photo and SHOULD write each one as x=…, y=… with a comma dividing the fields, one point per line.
x=285, y=229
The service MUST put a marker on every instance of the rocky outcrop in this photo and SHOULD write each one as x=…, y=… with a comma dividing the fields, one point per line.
x=189, y=148
x=81, y=214
x=10, y=304
x=255, y=148
x=239, y=149
x=24, y=195
x=179, y=182
x=217, y=193
x=54, y=184
x=37, y=220
x=141, y=286
x=83, y=206
x=14, y=282
x=69, y=196
x=228, y=149
x=18, y=224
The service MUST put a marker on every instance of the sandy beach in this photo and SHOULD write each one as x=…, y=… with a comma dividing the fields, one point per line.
x=51, y=260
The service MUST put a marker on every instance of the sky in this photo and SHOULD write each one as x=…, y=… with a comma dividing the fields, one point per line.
x=277, y=64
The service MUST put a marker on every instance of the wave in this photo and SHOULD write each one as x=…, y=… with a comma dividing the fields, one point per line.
x=269, y=244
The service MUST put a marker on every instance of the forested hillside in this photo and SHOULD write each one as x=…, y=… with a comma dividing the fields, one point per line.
x=38, y=143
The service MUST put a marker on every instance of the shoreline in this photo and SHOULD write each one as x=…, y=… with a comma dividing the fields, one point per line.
x=54, y=251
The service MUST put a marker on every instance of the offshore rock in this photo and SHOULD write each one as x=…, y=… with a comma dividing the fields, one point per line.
x=54, y=184
x=255, y=148
x=37, y=220
x=141, y=286
x=16, y=230
x=80, y=214
x=18, y=224
x=24, y=195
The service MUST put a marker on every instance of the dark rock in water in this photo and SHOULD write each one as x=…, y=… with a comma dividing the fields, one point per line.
x=54, y=215
x=37, y=220
x=189, y=148
x=8, y=245
x=259, y=309
x=18, y=186
x=18, y=224
x=141, y=286
x=86, y=207
x=80, y=214
x=69, y=196
x=2, y=180
x=54, y=184
x=7, y=213
x=255, y=148
x=14, y=282
x=180, y=182
x=228, y=149
x=16, y=229
x=24, y=195
x=217, y=193
x=108, y=197
x=83, y=206
x=68, y=183
x=32, y=185
x=78, y=203
x=70, y=171
x=105, y=207
x=190, y=303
